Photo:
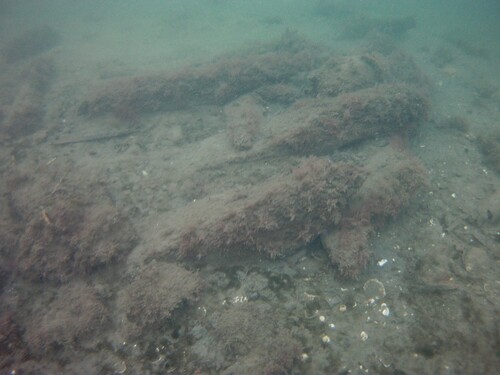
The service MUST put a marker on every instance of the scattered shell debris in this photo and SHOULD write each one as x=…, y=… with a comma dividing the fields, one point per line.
x=236, y=299
x=363, y=335
x=120, y=367
x=382, y=262
x=384, y=362
x=384, y=309
x=476, y=260
x=240, y=299
x=342, y=308
x=373, y=288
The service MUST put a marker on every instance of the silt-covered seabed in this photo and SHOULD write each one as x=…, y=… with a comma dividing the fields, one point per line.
x=318, y=196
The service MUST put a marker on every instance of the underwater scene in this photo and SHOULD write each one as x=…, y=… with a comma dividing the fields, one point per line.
x=278, y=187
